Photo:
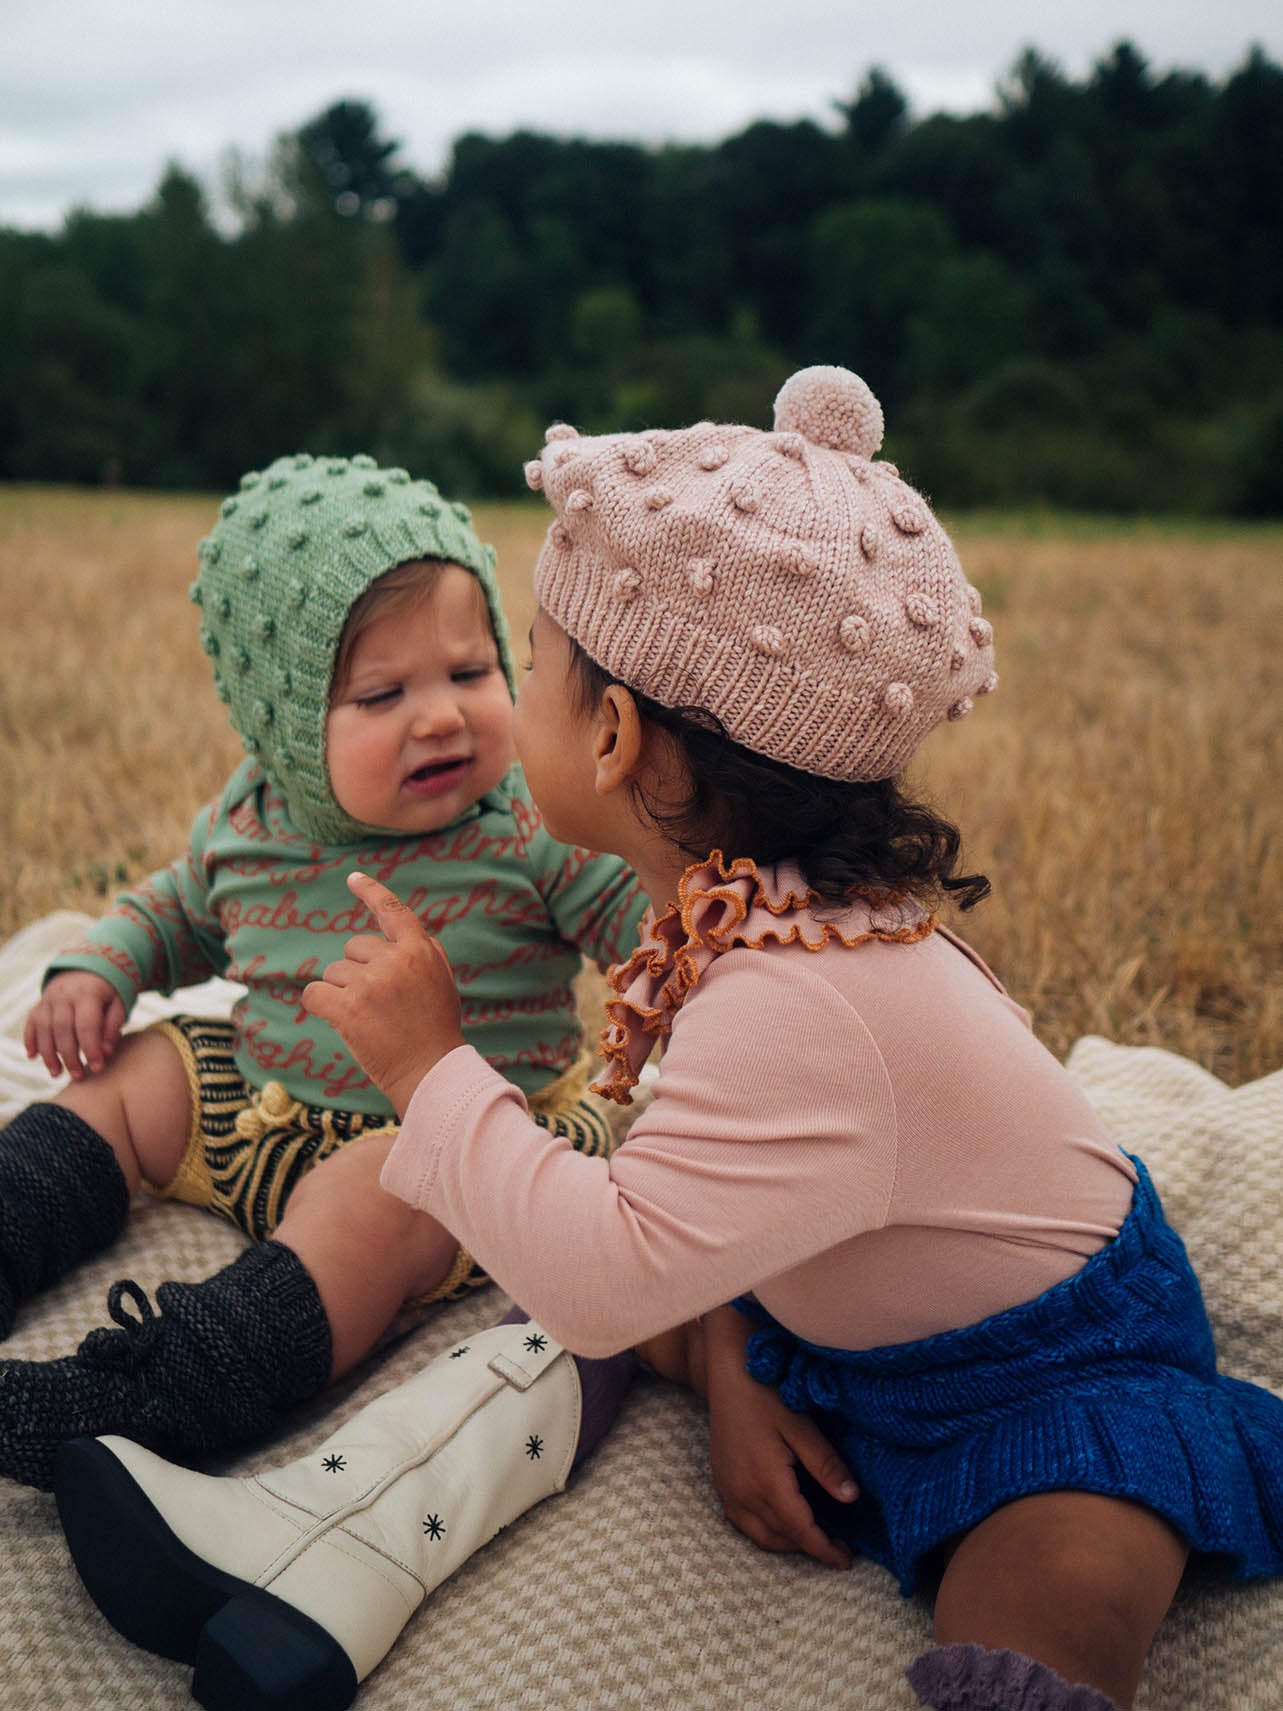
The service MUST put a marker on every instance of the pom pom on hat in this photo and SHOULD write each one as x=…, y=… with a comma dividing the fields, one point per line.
x=781, y=582
x=831, y=407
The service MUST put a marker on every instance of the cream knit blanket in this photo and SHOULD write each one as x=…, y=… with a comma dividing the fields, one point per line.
x=631, y=1590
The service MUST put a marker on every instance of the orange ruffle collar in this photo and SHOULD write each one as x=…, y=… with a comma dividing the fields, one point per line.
x=721, y=906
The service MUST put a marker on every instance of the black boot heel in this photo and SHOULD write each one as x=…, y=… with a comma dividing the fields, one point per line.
x=146, y=1582
x=260, y=1654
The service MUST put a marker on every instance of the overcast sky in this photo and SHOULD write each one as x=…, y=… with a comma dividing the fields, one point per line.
x=95, y=95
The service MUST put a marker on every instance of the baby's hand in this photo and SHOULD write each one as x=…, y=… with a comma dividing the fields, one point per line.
x=393, y=999
x=755, y=1444
x=76, y=1025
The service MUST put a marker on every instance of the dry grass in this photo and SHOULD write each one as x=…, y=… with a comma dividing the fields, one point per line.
x=1122, y=791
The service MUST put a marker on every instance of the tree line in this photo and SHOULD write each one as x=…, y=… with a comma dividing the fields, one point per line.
x=1074, y=297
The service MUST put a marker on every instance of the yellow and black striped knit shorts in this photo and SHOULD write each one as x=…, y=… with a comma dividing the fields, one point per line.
x=248, y=1147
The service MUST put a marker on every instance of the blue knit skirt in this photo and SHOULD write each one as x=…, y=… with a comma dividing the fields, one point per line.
x=1106, y=1383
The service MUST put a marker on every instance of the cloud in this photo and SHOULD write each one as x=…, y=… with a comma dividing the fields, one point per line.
x=95, y=98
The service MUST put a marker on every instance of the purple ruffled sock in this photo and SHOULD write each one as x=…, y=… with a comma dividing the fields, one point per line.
x=970, y=1678
x=603, y=1384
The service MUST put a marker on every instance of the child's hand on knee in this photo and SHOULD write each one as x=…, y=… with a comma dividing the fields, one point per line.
x=393, y=999
x=77, y=1024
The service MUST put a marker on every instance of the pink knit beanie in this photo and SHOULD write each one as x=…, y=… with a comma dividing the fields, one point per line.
x=782, y=581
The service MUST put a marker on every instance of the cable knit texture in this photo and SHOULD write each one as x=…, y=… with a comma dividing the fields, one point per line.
x=785, y=582
x=289, y=556
x=721, y=905
x=970, y=1678
x=1106, y=1382
x=217, y=1367
x=63, y=1197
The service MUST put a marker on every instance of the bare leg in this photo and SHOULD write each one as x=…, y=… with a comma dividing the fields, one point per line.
x=69, y=1166
x=680, y=1355
x=141, y=1106
x=1077, y=1581
x=717, y=1341
x=224, y=1358
x=367, y=1251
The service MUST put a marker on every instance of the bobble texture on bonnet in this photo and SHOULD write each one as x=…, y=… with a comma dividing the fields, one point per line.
x=785, y=582
x=289, y=556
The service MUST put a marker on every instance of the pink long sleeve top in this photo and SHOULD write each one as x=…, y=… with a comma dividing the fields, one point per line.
x=852, y=1121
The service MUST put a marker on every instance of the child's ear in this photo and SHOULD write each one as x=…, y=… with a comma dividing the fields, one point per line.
x=619, y=740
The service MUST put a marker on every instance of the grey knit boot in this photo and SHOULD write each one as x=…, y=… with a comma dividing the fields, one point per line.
x=971, y=1678
x=63, y=1197
x=217, y=1367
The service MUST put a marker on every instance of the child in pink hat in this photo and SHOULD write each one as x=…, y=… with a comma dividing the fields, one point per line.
x=956, y=1302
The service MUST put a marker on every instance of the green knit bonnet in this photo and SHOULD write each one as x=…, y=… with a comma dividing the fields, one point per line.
x=290, y=555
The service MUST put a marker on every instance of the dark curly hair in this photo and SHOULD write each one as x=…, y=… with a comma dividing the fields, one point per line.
x=847, y=839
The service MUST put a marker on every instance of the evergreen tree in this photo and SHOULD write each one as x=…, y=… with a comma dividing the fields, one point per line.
x=1076, y=295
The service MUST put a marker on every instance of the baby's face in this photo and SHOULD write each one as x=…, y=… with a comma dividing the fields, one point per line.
x=423, y=725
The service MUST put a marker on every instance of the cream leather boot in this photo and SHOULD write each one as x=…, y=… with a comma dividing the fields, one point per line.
x=287, y=1588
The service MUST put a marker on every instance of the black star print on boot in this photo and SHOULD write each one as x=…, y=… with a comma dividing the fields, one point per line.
x=334, y=1464
x=536, y=1343
x=434, y=1527
x=534, y=1446
x=457, y=1352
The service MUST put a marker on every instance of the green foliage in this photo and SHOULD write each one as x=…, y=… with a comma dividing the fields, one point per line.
x=878, y=114
x=468, y=439
x=873, y=269
x=1260, y=463
x=1075, y=298
x=352, y=166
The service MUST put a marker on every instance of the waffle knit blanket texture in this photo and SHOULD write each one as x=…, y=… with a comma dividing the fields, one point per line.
x=631, y=1590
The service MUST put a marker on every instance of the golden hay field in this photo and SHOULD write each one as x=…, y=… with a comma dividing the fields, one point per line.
x=1124, y=790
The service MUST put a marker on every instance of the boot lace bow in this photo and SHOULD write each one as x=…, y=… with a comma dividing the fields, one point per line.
x=126, y=1349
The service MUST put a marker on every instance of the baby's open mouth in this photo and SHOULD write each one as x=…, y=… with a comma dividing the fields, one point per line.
x=437, y=773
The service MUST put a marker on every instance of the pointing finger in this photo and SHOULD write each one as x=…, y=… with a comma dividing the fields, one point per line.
x=395, y=920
